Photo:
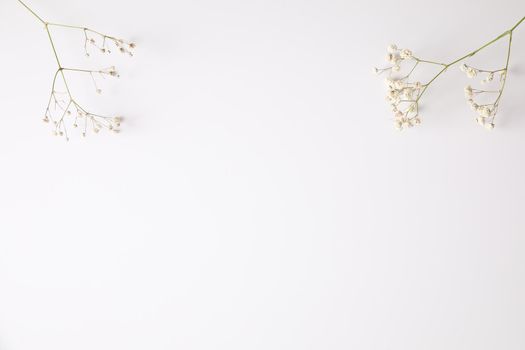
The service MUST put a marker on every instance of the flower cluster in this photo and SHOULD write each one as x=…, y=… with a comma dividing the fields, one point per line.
x=62, y=106
x=101, y=42
x=82, y=120
x=396, y=56
x=486, y=112
x=111, y=71
x=62, y=109
x=403, y=94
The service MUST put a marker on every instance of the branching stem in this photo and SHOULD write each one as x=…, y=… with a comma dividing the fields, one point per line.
x=64, y=105
x=508, y=33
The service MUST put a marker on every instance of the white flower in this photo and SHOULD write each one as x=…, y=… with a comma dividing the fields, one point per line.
x=484, y=111
x=398, y=85
x=408, y=93
x=406, y=54
x=393, y=58
x=471, y=72
x=393, y=94
x=490, y=77
x=480, y=120
x=398, y=125
x=469, y=93
x=392, y=48
x=490, y=126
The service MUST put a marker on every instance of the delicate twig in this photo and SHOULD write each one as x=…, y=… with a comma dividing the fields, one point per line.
x=98, y=121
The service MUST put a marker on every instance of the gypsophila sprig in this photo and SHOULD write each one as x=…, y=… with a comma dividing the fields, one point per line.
x=404, y=93
x=62, y=109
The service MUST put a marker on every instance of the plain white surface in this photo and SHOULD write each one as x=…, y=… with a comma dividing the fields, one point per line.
x=259, y=197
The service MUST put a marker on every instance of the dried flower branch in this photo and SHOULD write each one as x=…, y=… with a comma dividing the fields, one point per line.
x=62, y=108
x=404, y=94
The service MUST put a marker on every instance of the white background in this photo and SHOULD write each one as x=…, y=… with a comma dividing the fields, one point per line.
x=258, y=197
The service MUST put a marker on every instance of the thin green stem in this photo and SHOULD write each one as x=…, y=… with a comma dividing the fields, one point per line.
x=53, y=47
x=472, y=53
x=61, y=70
x=66, y=26
x=412, y=70
x=81, y=70
x=506, y=69
x=430, y=62
x=46, y=25
x=481, y=48
x=517, y=24
x=80, y=28
x=32, y=12
x=52, y=90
